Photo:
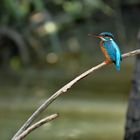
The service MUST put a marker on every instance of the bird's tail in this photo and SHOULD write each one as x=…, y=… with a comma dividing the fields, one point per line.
x=118, y=65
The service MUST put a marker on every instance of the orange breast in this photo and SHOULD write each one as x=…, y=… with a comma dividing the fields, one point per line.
x=105, y=52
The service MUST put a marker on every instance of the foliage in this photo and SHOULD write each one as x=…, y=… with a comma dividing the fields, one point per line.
x=47, y=26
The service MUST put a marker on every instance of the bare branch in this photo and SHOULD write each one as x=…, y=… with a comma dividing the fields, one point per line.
x=36, y=125
x=132, y=53
x=65, y=89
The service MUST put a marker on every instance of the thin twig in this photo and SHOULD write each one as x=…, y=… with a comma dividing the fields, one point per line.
x=63, y=90
x=36, y=125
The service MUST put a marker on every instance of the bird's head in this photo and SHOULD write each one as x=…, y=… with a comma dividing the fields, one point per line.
x=104, y=36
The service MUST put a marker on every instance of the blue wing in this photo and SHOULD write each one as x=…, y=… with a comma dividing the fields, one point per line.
x=113, y=52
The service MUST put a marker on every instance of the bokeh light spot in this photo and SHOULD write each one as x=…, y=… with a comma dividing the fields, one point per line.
x=50, y=27
x=51, y=58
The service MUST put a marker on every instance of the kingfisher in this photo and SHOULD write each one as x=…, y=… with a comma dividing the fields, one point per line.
x=110, y=48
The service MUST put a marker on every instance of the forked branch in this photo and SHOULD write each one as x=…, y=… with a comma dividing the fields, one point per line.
x=36, y=125
x=64, y=89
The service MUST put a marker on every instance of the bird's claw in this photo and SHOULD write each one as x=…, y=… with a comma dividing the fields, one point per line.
x=107, y=61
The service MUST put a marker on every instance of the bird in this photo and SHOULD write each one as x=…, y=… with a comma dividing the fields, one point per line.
x=109, y=48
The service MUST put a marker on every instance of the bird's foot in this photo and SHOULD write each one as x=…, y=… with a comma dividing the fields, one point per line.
x=107, y=61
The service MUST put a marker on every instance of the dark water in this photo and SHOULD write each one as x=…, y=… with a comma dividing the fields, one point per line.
x=79, y=119
x=94, y=109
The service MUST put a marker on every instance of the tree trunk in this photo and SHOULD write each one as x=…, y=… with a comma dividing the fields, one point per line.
x=132, y=130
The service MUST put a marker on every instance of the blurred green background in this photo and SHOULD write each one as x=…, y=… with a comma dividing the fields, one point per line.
x=43, y=45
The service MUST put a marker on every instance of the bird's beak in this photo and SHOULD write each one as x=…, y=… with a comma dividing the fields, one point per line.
x=97, y=36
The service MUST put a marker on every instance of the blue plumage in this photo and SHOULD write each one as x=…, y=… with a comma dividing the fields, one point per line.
x=107, y=34
x=110, y=48
x=113, y=51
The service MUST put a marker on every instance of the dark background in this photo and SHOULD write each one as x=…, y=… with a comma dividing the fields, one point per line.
x=44, y=44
